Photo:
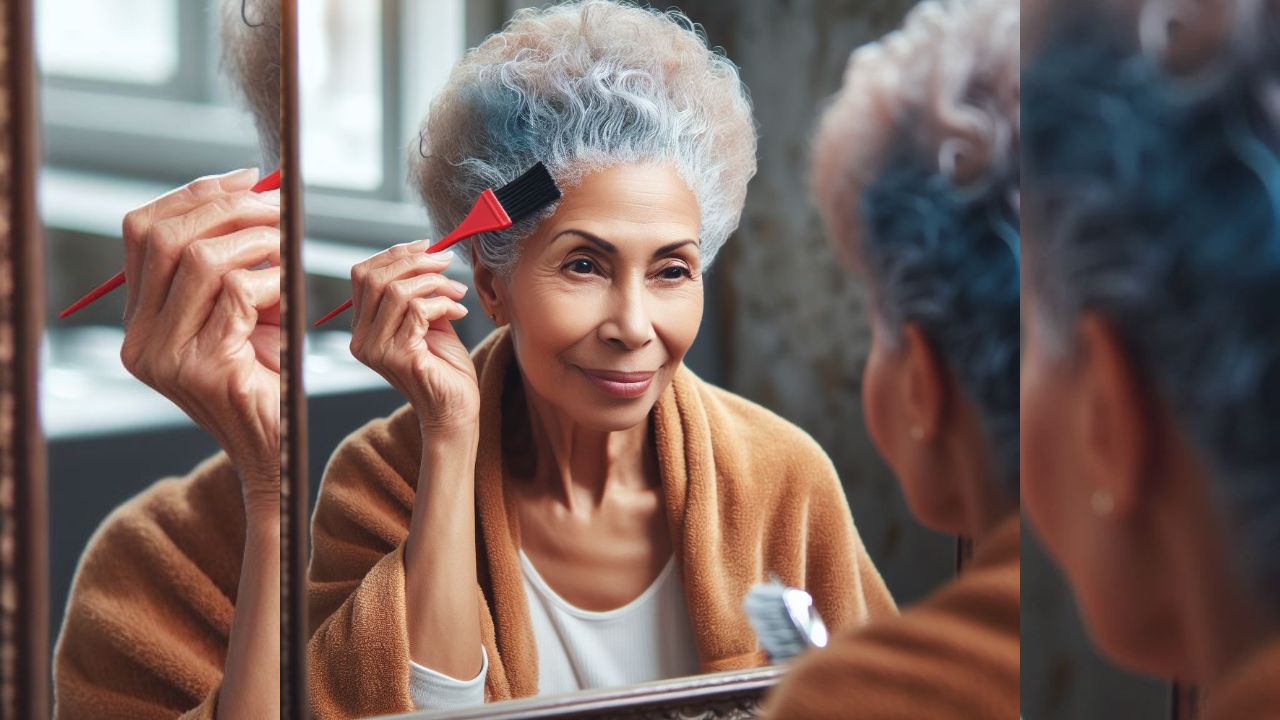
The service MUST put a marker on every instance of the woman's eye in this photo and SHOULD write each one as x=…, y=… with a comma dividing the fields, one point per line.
x=675, y=272
x=582, y=266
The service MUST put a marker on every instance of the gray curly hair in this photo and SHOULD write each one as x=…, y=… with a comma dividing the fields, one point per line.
x=580, y=87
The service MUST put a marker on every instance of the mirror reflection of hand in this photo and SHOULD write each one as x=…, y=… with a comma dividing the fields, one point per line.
x=202, y=318
x=403, y=308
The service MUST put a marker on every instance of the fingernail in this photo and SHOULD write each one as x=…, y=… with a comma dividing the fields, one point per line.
x=270, y=197
x=446, y=255
x=463, y=308
x=459, y=286
x=248, y=174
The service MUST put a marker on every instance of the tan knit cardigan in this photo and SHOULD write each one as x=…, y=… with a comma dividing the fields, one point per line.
x=746, y=493
x=955, y=654
x=149, y=617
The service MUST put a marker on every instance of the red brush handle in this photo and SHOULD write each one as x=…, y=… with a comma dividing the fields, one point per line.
x=270, y=182
x=487, y=215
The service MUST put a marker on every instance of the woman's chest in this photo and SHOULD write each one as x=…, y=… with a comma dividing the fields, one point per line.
x=598, y=560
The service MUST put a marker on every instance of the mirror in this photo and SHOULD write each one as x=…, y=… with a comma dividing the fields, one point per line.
x=162, y=429
x=794, y=345
x=24, y=614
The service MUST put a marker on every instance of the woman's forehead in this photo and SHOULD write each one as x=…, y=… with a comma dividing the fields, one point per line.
x=649, y=204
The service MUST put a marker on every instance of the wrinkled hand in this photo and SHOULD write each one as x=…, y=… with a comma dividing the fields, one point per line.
x=202, y=318
x=403, y=306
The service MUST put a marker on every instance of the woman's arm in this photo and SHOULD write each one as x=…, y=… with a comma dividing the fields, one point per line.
x=202, y=328
x=403, y=306
x=360, y=663
x=440, y=558
x=251, y=681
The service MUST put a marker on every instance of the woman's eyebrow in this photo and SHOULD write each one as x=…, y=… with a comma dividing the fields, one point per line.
x=611, y=248
x=604, y=244
x=673, y=246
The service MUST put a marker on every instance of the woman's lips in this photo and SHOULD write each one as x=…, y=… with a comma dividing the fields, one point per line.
x=620, y=384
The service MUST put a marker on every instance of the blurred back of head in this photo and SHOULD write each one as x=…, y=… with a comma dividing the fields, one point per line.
x=916, y=178
x=250, y=35
x=1151, y=139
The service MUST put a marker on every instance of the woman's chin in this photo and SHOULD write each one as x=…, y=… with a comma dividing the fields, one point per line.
x=593, y=415
x=603, y=412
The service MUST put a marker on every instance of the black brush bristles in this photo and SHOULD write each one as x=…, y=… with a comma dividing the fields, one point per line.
x=527, y=194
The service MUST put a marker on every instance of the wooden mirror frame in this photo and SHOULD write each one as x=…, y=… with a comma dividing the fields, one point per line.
x=294, y=548
x=732, y=695
x=24, y=584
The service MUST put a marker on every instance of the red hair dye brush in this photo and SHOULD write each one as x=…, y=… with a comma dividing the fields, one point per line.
x=495, y=210
x=270, y=182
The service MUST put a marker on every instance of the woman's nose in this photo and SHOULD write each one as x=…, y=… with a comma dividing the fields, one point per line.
x=629, y=324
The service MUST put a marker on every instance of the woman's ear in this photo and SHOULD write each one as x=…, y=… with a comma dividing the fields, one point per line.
x=486, y=284
x=926, y=384
x=1113, y=412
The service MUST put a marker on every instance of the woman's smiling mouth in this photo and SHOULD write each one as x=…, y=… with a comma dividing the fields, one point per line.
x=620, y=384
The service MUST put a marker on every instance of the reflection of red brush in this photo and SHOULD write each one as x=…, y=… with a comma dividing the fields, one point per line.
x=495, y=210
x=270, y=182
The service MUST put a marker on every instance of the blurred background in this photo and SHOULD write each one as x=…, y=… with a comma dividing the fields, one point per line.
x=132, y=105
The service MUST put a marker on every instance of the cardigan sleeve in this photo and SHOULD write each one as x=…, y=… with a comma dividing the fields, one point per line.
x=954, y=654
x=149, y=617
x=847, y=588
x=358, y=651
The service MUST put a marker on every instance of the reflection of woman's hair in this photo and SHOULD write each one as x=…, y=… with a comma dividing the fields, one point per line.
x=582, y=86
x=1156, y=202
x=916, y=176
x=250, y=36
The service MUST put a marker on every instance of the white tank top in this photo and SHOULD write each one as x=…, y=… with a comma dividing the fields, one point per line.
x=649, y=638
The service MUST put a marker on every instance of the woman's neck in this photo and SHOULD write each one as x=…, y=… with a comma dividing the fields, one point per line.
x=1221, y=621
x=579, y=465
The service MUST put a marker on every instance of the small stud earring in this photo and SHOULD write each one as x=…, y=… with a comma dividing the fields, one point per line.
x=917, y=432
x=1102, y=503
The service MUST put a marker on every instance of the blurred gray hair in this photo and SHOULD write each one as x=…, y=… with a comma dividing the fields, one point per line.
x=250, y=34
x=916, y=176
x=1153, y=188
x=951, y=74
x=580, y=87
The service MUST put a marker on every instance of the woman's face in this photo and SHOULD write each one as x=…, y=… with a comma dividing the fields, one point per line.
x=606, y=297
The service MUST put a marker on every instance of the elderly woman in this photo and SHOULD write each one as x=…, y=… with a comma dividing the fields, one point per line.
x=916, y=177
x=175, y=606
x=1150, y=381
x=568, y=506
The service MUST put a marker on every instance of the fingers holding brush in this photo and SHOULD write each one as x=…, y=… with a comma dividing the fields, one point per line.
x=239, y=369
x=370, y=278
x=199, y=276
x=168, y=239
x=201, y=320
x=398, y=299
x=138, y=224
x=401, y=296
